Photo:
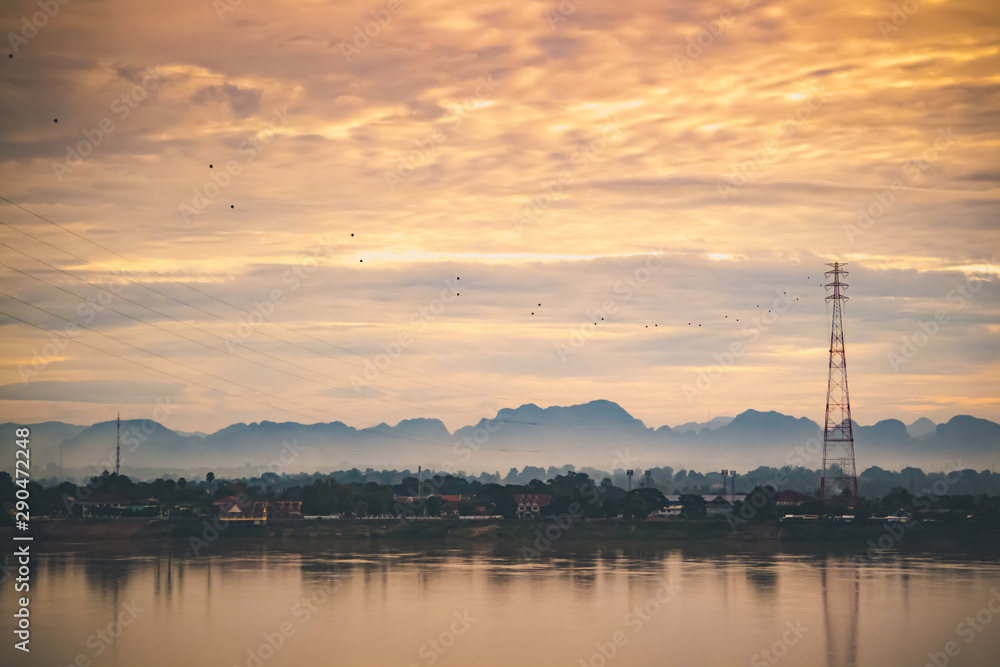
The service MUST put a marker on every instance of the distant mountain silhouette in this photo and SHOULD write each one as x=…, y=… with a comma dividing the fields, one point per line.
x=694, y=427
x=970, y=433
x=921, y=427
x=754, y=425
x=600, y=434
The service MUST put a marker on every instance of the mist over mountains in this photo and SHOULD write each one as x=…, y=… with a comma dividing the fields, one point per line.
x=600, y=434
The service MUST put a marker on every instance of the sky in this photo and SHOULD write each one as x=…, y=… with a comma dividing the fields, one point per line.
x=219, y=212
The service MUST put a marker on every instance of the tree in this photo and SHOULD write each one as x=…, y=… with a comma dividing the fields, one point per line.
x=654, y=498
x=210, y=477
x=759, y=505
x=897, y=498
x=634, y=507
x=434, y=504
x=181, y=483
x=692, y=504
x=167, y=496
x=610, y=508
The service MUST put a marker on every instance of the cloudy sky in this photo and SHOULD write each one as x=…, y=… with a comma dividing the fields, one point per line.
x=433, y=204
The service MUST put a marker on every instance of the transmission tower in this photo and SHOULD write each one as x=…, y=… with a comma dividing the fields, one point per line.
x=840, y=476
x=118, y=445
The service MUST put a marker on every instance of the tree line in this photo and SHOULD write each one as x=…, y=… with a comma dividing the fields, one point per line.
x=941, y=497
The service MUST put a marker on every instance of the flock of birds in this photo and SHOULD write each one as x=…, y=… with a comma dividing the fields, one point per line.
x=693, y=323
x=690, y=324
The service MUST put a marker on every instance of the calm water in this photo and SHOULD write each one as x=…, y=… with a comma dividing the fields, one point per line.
x=324, y=604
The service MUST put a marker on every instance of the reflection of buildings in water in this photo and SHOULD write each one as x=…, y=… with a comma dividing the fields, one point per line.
x=105, y=575
x=54, y=569
x=904, y=579
x=581, y=569
x=841, y=583
x=763, y=575
x=164, y=579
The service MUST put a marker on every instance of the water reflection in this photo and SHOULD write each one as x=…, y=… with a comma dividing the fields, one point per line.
x=382, y=605
x=841, y=587
x=764, y=577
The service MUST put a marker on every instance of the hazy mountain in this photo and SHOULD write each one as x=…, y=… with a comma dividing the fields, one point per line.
x=695, y=427
x=753, y=425
x=972, y=435
x=600, y=434
x=141, y=440
x=425, y=428
x=191, y=433
x=921, y=427
x=44, y=440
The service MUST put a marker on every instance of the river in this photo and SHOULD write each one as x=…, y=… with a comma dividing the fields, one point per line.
x=250, y=604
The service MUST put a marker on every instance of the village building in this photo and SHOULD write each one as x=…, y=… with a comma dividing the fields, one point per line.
x=529, y=505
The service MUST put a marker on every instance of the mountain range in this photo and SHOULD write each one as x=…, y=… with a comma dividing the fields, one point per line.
x=599, y=434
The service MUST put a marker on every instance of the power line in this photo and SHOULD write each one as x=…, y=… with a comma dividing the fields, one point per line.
x=341, y=384
x=432, y=378
x=160, y=356
x=101, y=107
x=212, y=375
x=157, y=370
x=156, y=326
x=223, y=301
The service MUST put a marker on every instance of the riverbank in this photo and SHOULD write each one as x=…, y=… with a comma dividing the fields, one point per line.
x=666, y=531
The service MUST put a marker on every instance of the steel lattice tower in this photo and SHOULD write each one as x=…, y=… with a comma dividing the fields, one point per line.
x=840, y=476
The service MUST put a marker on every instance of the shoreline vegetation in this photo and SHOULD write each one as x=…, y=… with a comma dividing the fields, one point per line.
x=536, y=535
x=533, y=518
